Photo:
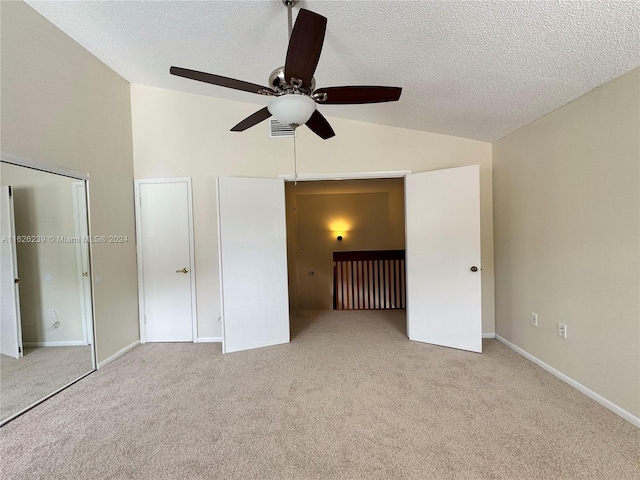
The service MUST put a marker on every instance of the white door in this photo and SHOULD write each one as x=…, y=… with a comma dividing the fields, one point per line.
x=82, y=254
x=443, y=258
x=253, y=263
x=165, y=260
x=10, y=326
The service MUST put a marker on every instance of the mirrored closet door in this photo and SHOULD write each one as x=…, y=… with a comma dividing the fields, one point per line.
x=46, y=335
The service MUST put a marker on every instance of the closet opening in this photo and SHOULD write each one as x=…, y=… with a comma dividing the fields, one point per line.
x=345, y=249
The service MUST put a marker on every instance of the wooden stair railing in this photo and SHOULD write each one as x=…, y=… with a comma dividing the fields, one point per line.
x=369, y=280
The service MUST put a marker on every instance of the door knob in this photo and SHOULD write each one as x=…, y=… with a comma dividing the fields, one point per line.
x=474, y=269
x=184, y=270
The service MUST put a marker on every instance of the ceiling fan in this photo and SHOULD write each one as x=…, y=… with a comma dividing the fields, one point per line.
x=293, y=86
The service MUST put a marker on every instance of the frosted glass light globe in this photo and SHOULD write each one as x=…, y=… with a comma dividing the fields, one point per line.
x=292, y=109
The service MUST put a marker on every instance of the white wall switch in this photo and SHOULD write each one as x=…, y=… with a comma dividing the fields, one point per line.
x=534, y=319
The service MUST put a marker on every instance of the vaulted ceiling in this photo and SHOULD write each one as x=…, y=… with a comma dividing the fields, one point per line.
x=474, y=69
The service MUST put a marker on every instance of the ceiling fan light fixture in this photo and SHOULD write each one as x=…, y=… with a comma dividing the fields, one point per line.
x=293, y=85
x=292, y=109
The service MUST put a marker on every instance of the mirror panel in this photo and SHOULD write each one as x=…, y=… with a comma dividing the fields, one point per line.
x=46, y=337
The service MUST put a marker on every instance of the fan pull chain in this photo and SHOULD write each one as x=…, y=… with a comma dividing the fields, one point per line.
x=295, y=159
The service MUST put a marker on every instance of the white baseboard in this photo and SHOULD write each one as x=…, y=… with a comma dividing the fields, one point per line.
x=629, y=417
x=488, y=335
x=64, y=343
x=209, y=340
x=118, y=354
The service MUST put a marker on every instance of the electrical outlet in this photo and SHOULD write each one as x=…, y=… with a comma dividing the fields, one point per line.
x=52, y=313
x=534, y=319
x=562, y=330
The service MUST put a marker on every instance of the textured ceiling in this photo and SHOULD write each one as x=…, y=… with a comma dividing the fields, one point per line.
x=475, y=69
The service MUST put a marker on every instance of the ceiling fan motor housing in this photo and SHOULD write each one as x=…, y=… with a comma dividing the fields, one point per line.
x=278, y=82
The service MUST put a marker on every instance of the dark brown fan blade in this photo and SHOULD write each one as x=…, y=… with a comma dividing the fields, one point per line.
x=218, y=80
x=319, y=125
x=252, y=120
x=357, y=94
x=305, y=46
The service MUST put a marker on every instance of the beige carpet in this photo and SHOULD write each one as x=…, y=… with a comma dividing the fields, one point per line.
x=42, y=370
x=349, y=398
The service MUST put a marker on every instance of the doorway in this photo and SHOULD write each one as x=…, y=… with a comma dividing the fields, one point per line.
x=442, y=251
x=345, y=239
x=327, y=217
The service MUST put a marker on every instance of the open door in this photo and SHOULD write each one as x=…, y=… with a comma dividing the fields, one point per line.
x=253, y=263
x=10, y=324
x=443, y=257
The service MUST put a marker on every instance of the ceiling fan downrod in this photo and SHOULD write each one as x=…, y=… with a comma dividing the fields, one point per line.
x=290, y=4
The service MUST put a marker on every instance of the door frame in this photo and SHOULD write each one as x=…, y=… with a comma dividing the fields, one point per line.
x=192, y=271
x=315, y=177
x=318, y=177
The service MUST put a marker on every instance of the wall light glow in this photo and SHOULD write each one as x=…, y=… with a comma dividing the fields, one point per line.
x=338, y=228
x=339, y=225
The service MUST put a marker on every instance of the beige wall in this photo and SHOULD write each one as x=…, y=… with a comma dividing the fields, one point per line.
x=184, y=135
x=62, y=106
x=370, y=213
x=567, y=237
x=49, y=271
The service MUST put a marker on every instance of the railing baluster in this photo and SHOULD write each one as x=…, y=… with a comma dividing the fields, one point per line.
x=368, y=280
